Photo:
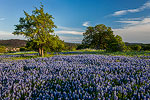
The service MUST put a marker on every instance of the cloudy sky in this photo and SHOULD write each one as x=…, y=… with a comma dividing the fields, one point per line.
x=128, y=18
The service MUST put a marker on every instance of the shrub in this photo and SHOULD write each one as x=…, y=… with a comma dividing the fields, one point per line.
x=136, y=47
x=2, y=49
x=23, y=49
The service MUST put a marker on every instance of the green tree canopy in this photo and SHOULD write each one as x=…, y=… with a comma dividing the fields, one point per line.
x=37, y=27
x=54, y=44
x=102, y=37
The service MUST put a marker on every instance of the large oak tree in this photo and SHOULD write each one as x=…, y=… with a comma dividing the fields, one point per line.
x=38, y=28
x=102, y=37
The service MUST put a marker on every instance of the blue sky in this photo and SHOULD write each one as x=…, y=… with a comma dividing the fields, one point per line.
x=128, y=18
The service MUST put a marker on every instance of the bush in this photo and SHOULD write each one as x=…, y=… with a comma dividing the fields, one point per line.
x=81, y=46
x=115, y=44
x=2, y=49
x=135, y=47
x=146, y=47
x=23, y=49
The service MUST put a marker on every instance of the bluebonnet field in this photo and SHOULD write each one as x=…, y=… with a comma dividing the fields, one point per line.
x=76, y=77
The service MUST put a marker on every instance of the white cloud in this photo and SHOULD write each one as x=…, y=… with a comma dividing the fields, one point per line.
x=4, y=35
x=135, y=22
x=129, y=22
x=69, y=32
x=75, y=34
x=124, y=12
x=132, y=19
x=146, y=20
x=135, y=31
x=2, y=19
x=71, y=39
x=74, y=37
x=86, y=24
x=69, y=28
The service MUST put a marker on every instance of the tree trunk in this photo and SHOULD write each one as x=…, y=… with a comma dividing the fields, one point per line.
x=39, y=51
x=42, y=52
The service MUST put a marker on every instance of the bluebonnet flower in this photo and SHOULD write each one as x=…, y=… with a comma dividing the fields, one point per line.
x=75, y=77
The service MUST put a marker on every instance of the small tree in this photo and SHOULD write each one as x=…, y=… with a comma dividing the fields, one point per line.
x=37, y=27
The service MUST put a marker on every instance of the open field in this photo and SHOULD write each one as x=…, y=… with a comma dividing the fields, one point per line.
x=79, y=76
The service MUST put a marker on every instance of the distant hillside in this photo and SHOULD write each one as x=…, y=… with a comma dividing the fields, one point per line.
x=13, y=43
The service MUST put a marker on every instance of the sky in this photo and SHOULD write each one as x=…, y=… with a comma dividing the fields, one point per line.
x=129, y=19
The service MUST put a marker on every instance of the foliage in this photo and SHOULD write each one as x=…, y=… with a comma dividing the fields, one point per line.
x=2, y=49
x=54, y=44
x=145, y=47
x=23, y=48
x=135, y=47
x=82, y=46
x=102, y=37
x=71, y=46
x=116, y=44
x=31, y=45
x=38, y=28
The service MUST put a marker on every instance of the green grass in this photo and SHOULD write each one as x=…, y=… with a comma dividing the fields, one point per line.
x=17, y=53
x=19, y=58
x=25, y=57
x=77, y=52
x=130, y=53
x=103, y=52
